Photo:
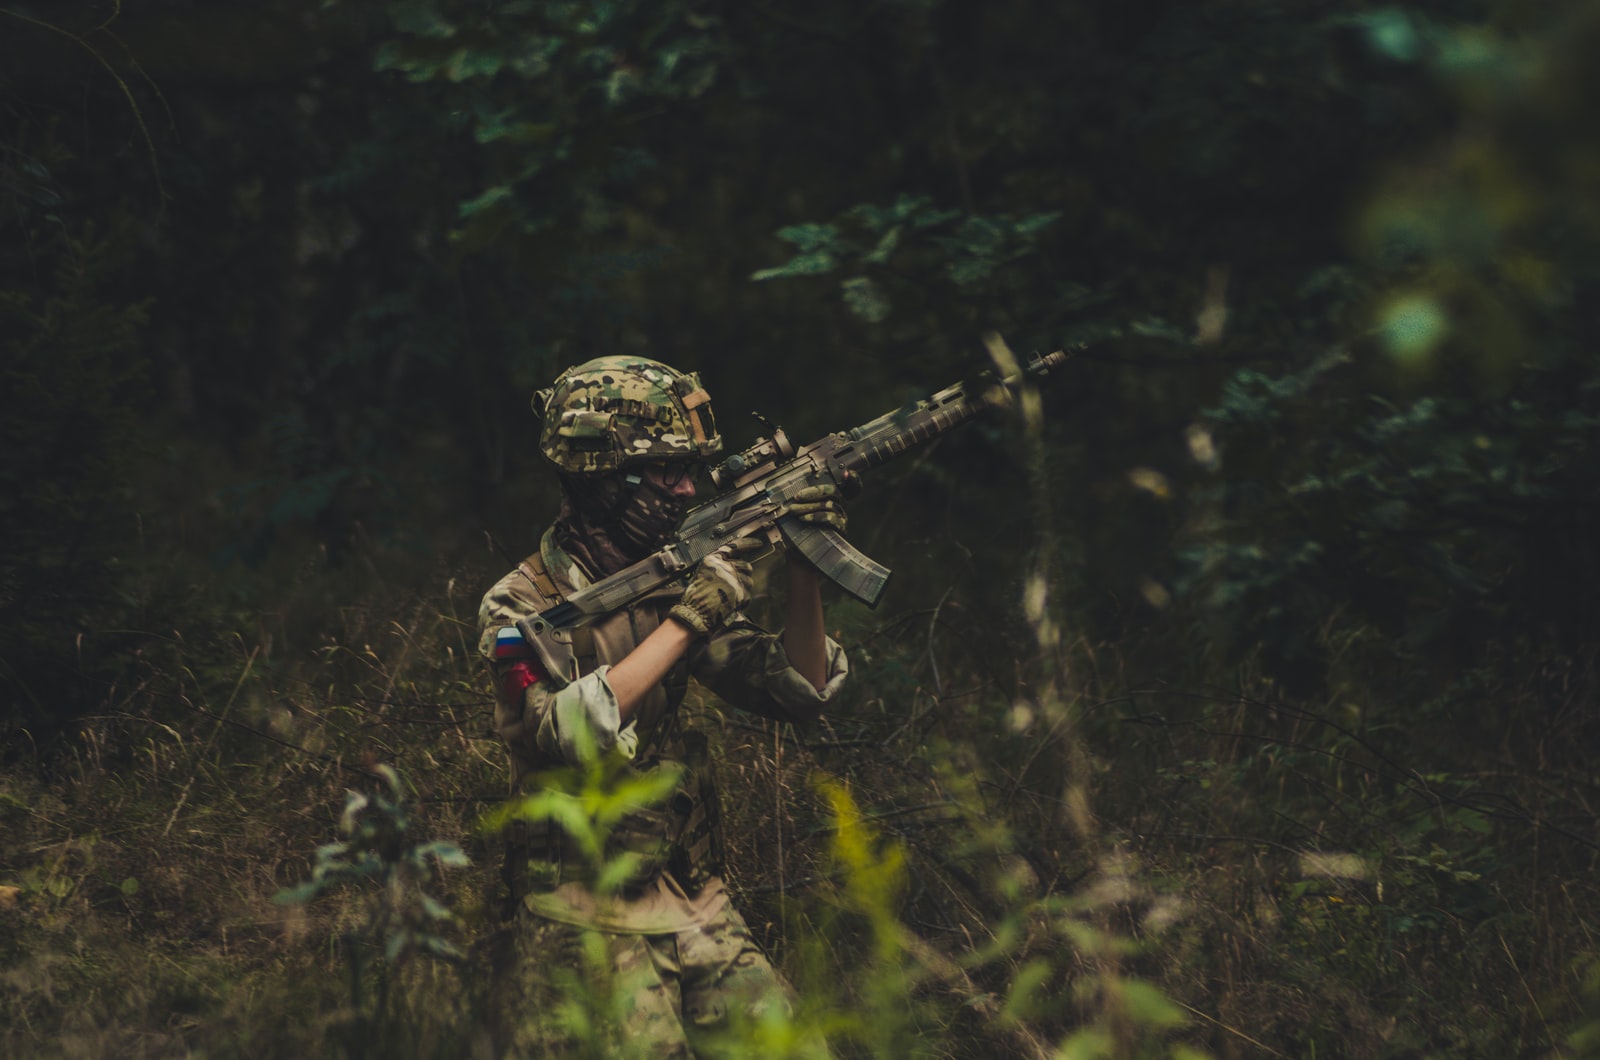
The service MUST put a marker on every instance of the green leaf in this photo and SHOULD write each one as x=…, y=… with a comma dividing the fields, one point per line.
x=637, y=792
x=566, y=813
x=1091, y=1043
x=866, y=299
x=491, y=198
x=1019, y=1002
x=1392, y=33
x=617, y=871
x=1032, y=226
x=397, y=944
x=921, y=221
x=468, y=63
x=449, y=854
x=298, y=895
x=442, y=948
x=809, y=236
x=1412, y=326
x=1149, y=1006
x=420, y=18
x=811, y=264
x=886, y=246
x=329, y=852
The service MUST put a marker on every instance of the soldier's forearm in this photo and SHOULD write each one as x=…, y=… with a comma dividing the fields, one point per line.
x=646, y=666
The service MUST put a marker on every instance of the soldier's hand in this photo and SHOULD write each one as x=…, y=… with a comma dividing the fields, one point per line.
x=719, y=586
x=820, y=505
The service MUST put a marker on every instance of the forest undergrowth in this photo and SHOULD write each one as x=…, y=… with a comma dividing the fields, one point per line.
x=1288, y=751
x=1078, y=852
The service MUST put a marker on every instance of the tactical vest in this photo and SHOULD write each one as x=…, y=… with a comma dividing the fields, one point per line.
x=682, y=834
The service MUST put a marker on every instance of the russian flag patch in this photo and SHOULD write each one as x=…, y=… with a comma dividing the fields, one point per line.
x=508, y=644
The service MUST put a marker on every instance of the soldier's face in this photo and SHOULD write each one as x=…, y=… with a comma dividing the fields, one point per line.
x=675, y=479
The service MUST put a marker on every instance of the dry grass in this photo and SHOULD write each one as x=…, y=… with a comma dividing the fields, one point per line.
x=1292, y=877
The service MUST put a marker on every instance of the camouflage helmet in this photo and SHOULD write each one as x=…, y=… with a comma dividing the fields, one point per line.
x=613, y=412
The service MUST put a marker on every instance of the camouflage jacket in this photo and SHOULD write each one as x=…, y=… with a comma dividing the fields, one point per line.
x=742, y=663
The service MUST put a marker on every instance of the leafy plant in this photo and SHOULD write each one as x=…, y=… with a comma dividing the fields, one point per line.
x=382, y=855
x=883, y=243
x=541, y=87
x=1426, y=471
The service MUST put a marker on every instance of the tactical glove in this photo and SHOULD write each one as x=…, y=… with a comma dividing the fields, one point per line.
x=821, y=505
x=719, y=586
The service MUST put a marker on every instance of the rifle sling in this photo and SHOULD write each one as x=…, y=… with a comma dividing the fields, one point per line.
x=583, y=650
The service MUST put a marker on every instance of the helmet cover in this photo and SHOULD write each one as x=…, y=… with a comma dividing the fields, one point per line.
x=613, y=412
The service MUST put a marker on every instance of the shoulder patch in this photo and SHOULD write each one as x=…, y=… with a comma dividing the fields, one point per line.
x=508, y=644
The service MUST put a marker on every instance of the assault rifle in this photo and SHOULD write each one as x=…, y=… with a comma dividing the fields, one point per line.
x=754, y=490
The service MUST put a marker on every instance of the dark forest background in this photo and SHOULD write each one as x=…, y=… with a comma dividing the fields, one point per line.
x=1243, y=703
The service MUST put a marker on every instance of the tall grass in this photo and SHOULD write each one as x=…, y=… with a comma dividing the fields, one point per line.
x=1062, y=849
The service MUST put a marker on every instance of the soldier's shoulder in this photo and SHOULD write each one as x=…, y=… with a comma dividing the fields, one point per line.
x=516, y=595
x=513, y=597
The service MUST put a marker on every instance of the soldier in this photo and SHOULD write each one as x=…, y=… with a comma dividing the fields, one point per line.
x=625, y=435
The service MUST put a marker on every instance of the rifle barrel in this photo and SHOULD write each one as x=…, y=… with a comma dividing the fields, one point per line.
x=890, y=435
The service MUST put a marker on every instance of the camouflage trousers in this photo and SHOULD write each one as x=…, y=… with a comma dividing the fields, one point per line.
x=574, y=992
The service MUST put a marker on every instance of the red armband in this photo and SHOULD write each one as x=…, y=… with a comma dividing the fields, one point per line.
x=517, y=679
x=523, y=672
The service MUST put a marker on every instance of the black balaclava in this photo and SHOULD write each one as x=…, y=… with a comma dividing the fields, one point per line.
x=610, y=521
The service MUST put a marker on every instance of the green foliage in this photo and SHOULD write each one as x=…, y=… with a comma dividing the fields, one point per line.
x=542, y=87
x=1432, y=486
x=588, y=803
x=1318, y=571
x=881, y=1015
x=380, y=849
x=894, y=243
x=381, y=853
